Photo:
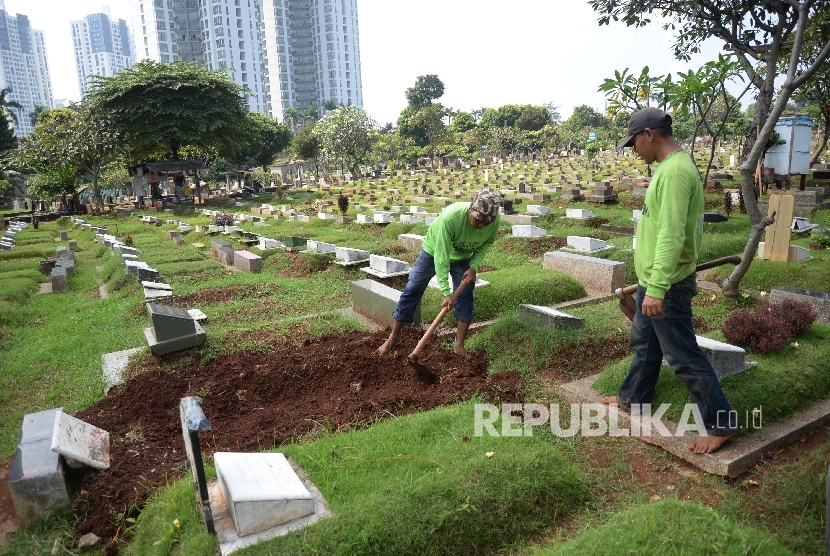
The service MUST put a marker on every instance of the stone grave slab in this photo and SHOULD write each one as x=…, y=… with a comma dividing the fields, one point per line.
x=802, y=225
x=266, y=243
x=59, y=279
x=578, y=214
x=411, y=241
x=365, y=219
x=377, y=302
x=152, y=295
x=131, y=267
x=433, y=282
x=523, y=230
x=409, y=219
x=79, y=441
x=796, y=253
x=542, y=317
x=294, y=243
x=216, y=244
x=346, y=256
x=386, y=266
x=156, y=285
x=586, y=244
x=819, y=300
x=520, y=218
x=727, y=359
x=225, y=255
x=247, y=261
x=538, y=209
x=261, y=490
x=321, y=246
x=147, y=274
x=197, y=315
x=114, y=364
x=170, y=322
x=36, y=479
x=714, y=217
x=597, y=275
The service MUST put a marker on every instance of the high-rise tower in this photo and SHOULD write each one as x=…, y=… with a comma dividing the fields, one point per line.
x=312, y=52
x=25, y=72
x=102, y=46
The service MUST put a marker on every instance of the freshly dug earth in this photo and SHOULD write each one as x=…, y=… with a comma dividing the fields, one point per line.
x=260, y=401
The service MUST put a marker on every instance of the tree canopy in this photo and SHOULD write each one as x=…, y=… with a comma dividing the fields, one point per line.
x=160, y=108
x=427, y=88
x=346, y=133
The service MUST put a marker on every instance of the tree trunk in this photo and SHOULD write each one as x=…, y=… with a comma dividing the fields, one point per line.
x=96, y=189
x=823, y=142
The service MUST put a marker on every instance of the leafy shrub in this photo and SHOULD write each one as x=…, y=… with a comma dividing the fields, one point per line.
x=797, y=316
x=223, y=219
x=822, y=238
x=343, y=203
x=758, y=330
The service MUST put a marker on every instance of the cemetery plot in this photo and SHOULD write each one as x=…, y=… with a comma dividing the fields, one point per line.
x=335, y=377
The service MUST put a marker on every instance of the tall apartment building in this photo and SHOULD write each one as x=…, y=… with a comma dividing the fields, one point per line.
x=102, y=46
x=25, y=72
x=312, y=52
x=217, y=33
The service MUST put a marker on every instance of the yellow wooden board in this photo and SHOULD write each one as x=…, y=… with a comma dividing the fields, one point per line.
x=777, y=245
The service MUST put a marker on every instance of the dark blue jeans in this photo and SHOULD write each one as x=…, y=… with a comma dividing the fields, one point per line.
x=422, y=272
x=672, y=335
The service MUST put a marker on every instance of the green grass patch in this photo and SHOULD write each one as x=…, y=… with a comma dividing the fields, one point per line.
x=507, y=290
x=784, y=382
x=669, y=527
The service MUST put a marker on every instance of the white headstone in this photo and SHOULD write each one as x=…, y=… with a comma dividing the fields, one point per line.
x=80, y=441
x=538, y=209
x=587, y=244
x=261, y=490
x=523, y=230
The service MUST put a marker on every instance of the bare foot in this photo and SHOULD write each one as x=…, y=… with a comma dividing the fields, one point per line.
x=708, y=444
x=610, y=400
x=459, y=350
x=387, y=345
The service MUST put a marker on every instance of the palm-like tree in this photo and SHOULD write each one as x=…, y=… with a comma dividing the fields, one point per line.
x=291, y=114
x=5, y=104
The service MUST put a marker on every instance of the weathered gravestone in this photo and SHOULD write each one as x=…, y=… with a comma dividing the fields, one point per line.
x=193, y=420
x=377, y=301
x=819, y=300
x=173, y=329
x=36, y=479
x=545, y=317
x=78, y=441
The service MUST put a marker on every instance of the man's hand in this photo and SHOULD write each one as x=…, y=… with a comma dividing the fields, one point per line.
x=651, y=307
x=470, y=275
x=447, y=302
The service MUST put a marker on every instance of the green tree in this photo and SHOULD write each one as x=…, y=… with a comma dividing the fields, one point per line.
x=268, y=138
x=55, y=181
x=160, y=107
x=533, y=118
x=346, y=133
x=503, y=116
x=427, y=88
x=464, y=121
x=7, y=139
x=306, y=145
x=82, y=137
x=8, y=107
x=754, y=31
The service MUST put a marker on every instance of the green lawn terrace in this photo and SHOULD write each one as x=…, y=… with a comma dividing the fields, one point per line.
x=448, y=493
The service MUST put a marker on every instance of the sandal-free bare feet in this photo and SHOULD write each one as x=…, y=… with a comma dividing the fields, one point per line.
x=709, y=444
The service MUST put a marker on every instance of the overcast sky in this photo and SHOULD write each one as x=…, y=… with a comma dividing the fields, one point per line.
x=487, y=52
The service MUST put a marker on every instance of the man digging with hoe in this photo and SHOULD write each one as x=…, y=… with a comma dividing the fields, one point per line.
x=454, y=245
x=668, y=240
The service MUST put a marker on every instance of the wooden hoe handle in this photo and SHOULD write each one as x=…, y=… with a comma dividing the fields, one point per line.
x=441, y=314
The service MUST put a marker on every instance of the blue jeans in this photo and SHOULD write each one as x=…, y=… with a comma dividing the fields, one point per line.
x=672, y=334
x=422, y=272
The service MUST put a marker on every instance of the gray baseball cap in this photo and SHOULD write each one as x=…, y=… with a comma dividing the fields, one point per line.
x=651, y=118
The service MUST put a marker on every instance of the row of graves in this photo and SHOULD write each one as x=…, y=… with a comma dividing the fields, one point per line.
x=9, y=236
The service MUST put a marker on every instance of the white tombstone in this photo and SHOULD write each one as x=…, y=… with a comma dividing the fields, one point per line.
x=586, y=244
x=636, y=215
x=523, y=230
x=538, y=209
x=261, y=490
x=415, y=210
x=80, y=441
x=387, y=265
x=349, y=255
x=325, y=216
x=365, y=219
x=384, y=218
x=578, y=213
x=266, y=243
x=320, y=246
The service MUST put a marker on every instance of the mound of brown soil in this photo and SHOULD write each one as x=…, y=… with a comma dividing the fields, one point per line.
x=259, y=401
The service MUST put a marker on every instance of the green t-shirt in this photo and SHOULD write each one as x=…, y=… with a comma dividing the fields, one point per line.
x=451, y=238
x=670, y=229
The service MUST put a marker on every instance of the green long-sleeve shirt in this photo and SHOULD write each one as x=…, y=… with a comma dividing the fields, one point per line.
x=451, y=238
x=670, y=229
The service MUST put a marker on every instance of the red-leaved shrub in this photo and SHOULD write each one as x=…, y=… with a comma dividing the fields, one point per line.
x=759, y=330
x=797, y=316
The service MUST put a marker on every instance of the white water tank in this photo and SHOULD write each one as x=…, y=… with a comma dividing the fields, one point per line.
x=792, y=157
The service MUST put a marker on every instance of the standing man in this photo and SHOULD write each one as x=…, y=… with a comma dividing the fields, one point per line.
x=454, y=245
x=668, y=240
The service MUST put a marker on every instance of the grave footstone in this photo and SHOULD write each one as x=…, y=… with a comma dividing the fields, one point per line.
x=58, y=277
x=545, y=317
x=586, y=244
x=377, y=302
x=173, y=329
x=148, y=275
x=261, y=490
x=349, y=255
x=528, y=231
x=387, y=265
x=726, y=359
x=247, y=261
x=216, y=244
x=597, y=275
x=819, y=300
x=225, y=255
x=714, y=217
